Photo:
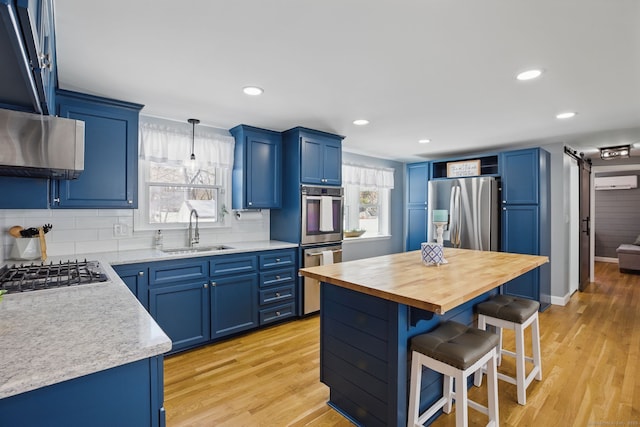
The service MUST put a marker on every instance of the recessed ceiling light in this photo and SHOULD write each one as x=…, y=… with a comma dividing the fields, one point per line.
x=252, y=90
x=567, y=115
x=361, y=122
x=529, y=74
x=424, y=141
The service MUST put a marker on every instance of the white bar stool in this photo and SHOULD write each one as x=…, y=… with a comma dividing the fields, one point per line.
x=456, y=351
x=503, y=311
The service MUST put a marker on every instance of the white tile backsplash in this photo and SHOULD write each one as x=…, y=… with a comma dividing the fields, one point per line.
x=77, y=232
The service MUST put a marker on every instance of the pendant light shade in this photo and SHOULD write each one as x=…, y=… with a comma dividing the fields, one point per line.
x=193, y=122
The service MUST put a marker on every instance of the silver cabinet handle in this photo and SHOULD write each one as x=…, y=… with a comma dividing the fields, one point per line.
x=140, y=273
x=213, y=283
x=130, y=202
x=277, y=277
x=206, y=285
x=277, y=313
x=250, y=203
x=277, y=294
x=277, y=259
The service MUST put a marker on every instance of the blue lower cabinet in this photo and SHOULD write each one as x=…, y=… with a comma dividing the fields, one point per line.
x=525, y=286
x=416, y=227
x=130, y=395
x=182, y=311
x=520, y=235
x=136, y=277
x=277, y=313
x=202, y=299
x=234, y=304
x=277, y=296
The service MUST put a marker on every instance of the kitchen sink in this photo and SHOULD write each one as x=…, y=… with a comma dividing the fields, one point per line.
x=196, y=249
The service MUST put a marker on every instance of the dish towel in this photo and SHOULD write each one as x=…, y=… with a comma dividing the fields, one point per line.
x=326, y=213
x=327, y=258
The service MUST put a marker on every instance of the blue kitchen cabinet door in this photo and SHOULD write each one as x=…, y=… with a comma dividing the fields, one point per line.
x=182, y=311
x=127, y=395
x=520, y=173
x=520, y=234
x=417, y=183
x=416, y=196
x=416, y=227
x=234, y=304
x=136, y=277
x=110, y=175
x=37, y=23
x=27, y=47
x=257, y=168
x=321, y=160
x=24, y=193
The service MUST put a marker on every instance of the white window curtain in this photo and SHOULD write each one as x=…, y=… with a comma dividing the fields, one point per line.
x=169, y=142
x=367, y=176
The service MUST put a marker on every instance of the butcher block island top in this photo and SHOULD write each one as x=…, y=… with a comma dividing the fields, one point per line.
x=404, y=279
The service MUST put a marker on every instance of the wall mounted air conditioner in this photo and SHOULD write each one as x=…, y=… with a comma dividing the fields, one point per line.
x=625, y=182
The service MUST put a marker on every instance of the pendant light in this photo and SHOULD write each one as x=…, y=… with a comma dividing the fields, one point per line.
x=193, y=122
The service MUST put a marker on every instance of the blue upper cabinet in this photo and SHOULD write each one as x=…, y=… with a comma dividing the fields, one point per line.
x=320, y=156
x=257, y=168
x=520, y=177
x=109, y=179
x=417, y=183
x=27, y=52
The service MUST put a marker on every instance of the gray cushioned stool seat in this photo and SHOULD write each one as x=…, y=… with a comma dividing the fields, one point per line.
x=455, y=344
x=508, y=308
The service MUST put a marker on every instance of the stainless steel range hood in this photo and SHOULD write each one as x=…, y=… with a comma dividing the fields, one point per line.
x=39, y=146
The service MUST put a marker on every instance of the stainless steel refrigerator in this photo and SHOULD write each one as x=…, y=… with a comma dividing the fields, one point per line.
x=469, y=209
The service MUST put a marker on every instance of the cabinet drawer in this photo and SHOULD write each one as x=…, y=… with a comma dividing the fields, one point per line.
x=277, y=294
x=276, y=313
x=277, y=277
x=278, y=259
x=220, y=265
x=165, y=274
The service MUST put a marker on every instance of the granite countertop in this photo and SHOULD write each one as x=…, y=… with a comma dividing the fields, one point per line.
x=150, y=255
x=54, y=335
x=404, y=279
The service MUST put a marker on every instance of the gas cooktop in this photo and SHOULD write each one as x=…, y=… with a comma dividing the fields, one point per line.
x=33, y=277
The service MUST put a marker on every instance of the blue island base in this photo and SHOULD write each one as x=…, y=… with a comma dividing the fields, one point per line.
x=364, y=357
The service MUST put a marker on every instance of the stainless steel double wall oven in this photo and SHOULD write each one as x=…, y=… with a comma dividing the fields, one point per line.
x=320, y=207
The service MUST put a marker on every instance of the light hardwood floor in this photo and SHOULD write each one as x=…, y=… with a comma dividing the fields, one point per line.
x=590, y=356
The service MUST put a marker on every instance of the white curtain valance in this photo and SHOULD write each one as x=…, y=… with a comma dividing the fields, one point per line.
x=367, y=176
x=170, y=142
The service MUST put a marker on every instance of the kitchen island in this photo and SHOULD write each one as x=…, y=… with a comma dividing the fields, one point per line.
x=371, y=308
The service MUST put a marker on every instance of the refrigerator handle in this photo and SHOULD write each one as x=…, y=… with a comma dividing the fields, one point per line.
x=452, y=207
x=455, y=217
x=479, y=219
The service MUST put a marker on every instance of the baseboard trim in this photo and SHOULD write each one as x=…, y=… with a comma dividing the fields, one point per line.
x=560, y=300
x=606, y=259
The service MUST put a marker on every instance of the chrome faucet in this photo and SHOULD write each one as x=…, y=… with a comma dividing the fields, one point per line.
x=194, y=238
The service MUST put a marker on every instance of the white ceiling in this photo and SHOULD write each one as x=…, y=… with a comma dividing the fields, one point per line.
x=438, y=69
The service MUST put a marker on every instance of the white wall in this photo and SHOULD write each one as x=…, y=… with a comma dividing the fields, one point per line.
x=366, y=248
x=82, y=231
x=559, y=258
